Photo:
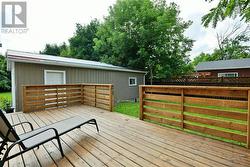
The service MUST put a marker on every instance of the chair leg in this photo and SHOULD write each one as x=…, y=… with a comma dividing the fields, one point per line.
x=97, y=128
x=60, y=146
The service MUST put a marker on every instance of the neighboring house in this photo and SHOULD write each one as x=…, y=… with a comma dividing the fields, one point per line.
x=224, y=68
x=35, y=69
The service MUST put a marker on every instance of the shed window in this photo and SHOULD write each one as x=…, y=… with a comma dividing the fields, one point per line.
x=132, y=81
x=54, y=77
x=228, y=74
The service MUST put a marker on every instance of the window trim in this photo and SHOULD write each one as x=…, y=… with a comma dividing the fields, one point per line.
x=58, y=71
x=134, y=79
x=224, y=73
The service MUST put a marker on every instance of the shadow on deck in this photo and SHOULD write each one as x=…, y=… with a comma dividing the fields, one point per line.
x=123, y=141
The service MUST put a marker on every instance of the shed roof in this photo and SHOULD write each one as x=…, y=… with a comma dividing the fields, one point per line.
x=224, y=64
x=27, y=57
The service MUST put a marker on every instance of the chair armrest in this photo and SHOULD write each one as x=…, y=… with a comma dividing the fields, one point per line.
x=31, y=126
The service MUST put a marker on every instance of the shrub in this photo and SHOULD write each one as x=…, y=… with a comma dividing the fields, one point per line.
x=5, y=104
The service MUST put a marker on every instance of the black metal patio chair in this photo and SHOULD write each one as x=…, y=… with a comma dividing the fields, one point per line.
x=35, y=138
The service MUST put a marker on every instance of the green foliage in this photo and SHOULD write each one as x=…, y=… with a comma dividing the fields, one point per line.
x=146, y=35
x=234, y=46
x=138, y=34
x=5, y=82
x=227, y=8
x=5, y=103
x=80, y=45
x=54, y=49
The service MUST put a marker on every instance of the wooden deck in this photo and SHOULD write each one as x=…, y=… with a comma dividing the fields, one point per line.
x=123, y=141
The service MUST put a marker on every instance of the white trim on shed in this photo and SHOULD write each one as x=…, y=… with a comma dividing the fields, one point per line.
x=54, y=71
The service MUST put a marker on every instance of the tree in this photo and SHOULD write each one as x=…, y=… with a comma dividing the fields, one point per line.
x=146, y=35
x=81, y=44
x=54, y=49
x=5, y=78
x=227, y=8
x=202, y=58
x=232, y=44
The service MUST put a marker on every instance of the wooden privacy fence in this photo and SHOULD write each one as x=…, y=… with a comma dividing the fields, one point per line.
x=207, y=81
x=41, y=97
x=219, y=112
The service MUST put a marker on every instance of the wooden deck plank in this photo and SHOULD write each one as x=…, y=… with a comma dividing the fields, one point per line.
x=185, y=156
x=28, y=157
x=81, y=151
x=72, y=151
x=80, y=140
x=67, y=116
x=124, y=141
x=132, y=122
x=17, y=161
x=139, y=143
x=50, y=147
x=42, y=155
x=168, y=151
x=123, y=131
x=232, y=154
x=128, y=144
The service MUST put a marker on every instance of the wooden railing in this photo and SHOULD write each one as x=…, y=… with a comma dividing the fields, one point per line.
x=41, y=97
x=218, y=112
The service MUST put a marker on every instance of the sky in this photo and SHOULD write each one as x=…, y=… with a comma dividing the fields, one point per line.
x=53, y=21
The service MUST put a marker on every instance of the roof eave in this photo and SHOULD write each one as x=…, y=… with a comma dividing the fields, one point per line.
x=72, y=65
x=214, y=69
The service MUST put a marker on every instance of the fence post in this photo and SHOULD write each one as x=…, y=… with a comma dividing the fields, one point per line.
x=182, y=108
x=141, y=92
x=248, y=121
x=82, y=102
x=110, y=98
x=95, y=95
x=24, y=99
x=57, y=96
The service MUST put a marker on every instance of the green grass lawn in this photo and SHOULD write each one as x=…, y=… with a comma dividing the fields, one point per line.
x=5, y=95
x=128, y=108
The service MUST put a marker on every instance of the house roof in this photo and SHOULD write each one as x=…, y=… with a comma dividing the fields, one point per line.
x=224, y=64
x=27, y=57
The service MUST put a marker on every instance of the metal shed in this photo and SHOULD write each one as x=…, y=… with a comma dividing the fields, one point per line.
x=36, y=69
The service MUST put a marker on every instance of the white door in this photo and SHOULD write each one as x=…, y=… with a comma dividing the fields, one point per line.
x=53, y=77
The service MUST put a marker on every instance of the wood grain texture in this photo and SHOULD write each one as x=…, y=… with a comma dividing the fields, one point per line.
x=214, y=111
x=123, y=141
x=43, y=97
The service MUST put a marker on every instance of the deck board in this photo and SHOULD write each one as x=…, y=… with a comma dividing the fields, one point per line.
x=123, y=141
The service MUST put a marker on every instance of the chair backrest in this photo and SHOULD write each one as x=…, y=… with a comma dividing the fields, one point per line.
x=6, y=127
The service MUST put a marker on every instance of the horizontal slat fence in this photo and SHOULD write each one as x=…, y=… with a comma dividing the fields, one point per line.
x=42, y=97
x=219, y=112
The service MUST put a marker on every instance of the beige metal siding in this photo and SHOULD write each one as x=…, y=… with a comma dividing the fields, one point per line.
x=28, y=74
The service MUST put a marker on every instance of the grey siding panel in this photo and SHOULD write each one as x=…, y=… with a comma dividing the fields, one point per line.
x=33, y=74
